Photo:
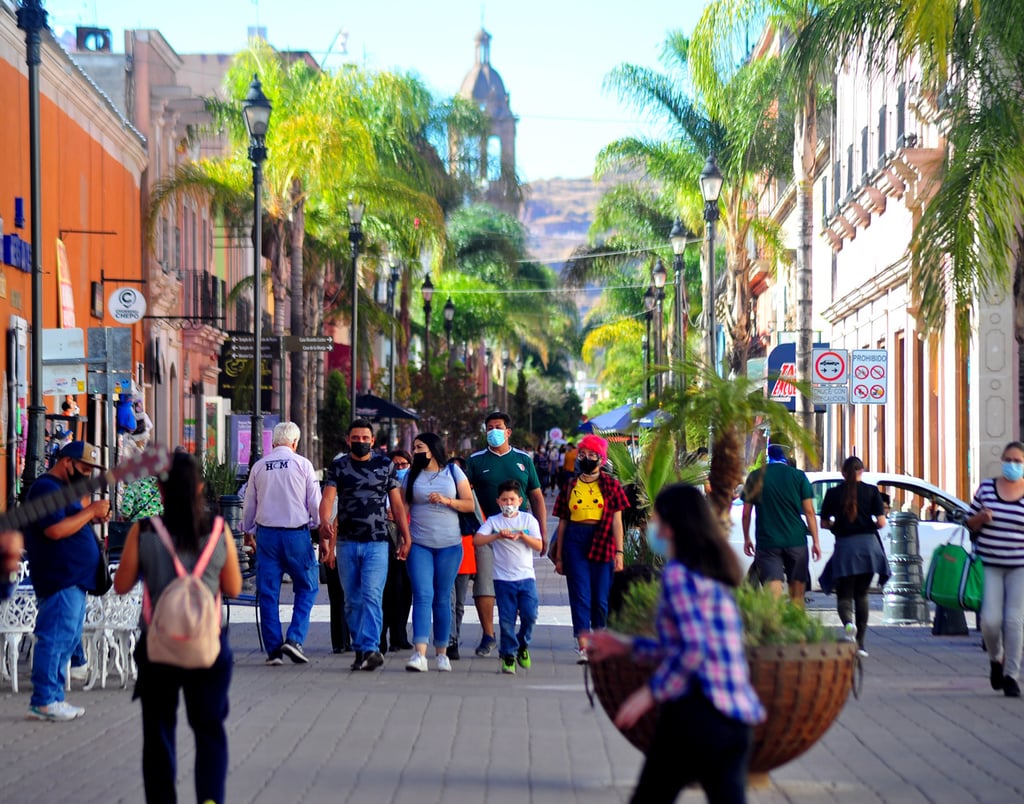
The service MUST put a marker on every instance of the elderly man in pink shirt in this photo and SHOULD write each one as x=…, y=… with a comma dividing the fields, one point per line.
x=282, y=503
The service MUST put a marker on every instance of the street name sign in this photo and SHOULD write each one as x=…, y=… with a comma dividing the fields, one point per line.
x=307, y=343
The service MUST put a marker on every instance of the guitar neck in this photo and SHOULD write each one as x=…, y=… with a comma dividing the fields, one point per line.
x=35, y=509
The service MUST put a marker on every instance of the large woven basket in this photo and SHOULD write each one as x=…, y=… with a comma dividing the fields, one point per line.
x=802, y=687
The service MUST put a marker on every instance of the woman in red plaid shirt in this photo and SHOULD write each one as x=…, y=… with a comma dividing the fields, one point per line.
x=707, y=707
x=588, y=542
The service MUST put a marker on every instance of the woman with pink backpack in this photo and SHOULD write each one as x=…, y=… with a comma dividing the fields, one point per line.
x=187, y=555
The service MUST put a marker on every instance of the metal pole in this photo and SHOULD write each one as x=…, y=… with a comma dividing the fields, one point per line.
x=712, y=339
x=659, y=343
x=647, y=357
x=354, y=237
x=32, y=20
x=257, y=153
x=679, y=324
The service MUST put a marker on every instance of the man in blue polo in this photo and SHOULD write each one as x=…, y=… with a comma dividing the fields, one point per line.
x=62, y=556
x=486, y=470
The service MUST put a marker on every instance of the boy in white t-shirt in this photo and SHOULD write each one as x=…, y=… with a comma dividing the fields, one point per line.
x=515, y=537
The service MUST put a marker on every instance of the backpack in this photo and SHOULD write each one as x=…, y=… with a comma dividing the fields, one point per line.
x=184, y=626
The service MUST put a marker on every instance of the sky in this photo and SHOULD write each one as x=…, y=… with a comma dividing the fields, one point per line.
x=553, y=55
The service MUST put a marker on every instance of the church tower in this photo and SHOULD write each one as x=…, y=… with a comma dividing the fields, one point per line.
x=493, y=159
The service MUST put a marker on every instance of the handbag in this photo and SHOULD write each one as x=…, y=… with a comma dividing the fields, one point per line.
x=956, y=577
x=469, y=524
x=102, y=580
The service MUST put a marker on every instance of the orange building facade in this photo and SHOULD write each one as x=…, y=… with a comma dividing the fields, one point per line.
x=92, y=161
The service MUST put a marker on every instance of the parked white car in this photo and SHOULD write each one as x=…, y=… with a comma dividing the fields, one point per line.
x=938, y=513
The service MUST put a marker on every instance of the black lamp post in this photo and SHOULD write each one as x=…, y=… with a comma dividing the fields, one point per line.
x=449, y=316
x=256, y=108
x=505, y=363
x=711, y=189
x=428, y=293
x=680, y=310
x=396, y=274
x=32, y=20
x=355, y=237
x=649, y=301
x=488, y=363
x=658, y=277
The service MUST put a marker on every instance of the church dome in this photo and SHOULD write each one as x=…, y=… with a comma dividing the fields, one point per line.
x=482, y=83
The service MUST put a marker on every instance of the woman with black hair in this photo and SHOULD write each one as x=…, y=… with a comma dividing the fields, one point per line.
x=435, y=492
x=206, y=690
x=706, y=705
x=854, y=512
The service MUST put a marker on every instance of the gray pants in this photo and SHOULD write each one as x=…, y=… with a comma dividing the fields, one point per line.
x=458, y=606
x=1002, y=617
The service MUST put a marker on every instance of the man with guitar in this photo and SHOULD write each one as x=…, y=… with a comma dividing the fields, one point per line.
x=62, y=554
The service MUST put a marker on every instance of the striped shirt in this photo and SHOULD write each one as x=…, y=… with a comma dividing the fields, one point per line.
x=701, y=642
x=1000, y=543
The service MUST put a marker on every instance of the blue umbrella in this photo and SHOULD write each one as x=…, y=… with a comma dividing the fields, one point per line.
x=618, y=420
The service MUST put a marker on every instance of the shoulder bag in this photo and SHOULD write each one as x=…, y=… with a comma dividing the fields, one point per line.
x=956, y=577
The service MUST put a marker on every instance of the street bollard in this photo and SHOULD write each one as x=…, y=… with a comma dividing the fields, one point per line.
x=903, y=603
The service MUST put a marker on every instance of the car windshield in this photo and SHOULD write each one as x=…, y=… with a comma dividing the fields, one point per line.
x=906, y=497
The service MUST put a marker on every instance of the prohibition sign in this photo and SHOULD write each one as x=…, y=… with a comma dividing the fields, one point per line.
x=829, y=367
x=861, y=372
x=877, y=391
x=860, y=391
x=877, y=372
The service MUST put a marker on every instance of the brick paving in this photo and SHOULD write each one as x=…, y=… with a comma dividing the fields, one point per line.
x=926, y=728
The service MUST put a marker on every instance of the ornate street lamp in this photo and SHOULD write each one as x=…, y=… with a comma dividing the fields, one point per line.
x=427, y=292
x=355, y=237
x=680, y=309
x=256, y=109
x=449, y=316
x=711, y=189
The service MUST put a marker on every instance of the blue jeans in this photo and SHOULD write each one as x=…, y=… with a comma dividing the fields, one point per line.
x=432, y=571
x=589, y=582
x=58, y=631
x=515, y=597
x=363, y=569
x=280, y=550
x=206, y=705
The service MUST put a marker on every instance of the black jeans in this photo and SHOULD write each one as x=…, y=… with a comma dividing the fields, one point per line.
x=396, y=604
x=852, y=596
x=206, y=705
x=694, y=742
x=341, y=640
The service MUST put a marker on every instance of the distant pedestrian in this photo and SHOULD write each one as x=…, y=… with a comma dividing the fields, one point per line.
x=854, y=512
x=282, y=503
x=205, y=690
x=363, y=482
x=341, y=639
x=997, y=515
x=705, y=702
x=784, y=501
x=515, y=538
x=436, y=492
x=588, y=543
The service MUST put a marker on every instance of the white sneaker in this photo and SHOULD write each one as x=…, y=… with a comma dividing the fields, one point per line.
x=581, y=656
x=849, y=632
x=862, y=653
x=417, y=664
x=444, y=664
x=56, y=711
x=80, y=673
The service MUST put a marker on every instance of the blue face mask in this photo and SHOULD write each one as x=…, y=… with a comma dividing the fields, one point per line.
x=495, y=438
x=401, y=473
x=1013, y=471
x=659, y=546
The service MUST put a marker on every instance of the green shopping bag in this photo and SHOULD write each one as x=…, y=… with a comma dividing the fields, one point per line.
x=956, y=578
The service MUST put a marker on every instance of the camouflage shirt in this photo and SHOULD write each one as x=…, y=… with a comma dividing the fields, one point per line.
x=363, y=488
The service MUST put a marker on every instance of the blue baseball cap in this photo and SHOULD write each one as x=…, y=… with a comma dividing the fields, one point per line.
x=82, y=451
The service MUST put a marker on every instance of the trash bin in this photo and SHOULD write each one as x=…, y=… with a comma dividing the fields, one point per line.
x=231, y=510
x=903, y=603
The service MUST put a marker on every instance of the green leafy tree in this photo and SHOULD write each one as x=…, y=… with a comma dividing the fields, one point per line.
x=335, y=416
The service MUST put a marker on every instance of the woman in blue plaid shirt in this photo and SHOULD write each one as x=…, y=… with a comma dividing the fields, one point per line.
x=707, y=707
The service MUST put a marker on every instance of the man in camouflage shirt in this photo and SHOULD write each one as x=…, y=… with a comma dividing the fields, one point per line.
x=363, y=482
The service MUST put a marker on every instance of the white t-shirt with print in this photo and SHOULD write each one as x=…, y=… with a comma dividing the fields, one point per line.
x=513, y=560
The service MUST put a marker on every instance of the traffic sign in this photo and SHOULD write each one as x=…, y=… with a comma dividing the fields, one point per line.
x=307, y=343
x=830, y=366
x=830, y=394
x=870, y=372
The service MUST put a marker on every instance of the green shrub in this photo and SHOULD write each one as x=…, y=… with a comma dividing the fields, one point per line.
x=639, y=605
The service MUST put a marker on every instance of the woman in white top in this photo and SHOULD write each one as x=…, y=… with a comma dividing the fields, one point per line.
x=435, y=494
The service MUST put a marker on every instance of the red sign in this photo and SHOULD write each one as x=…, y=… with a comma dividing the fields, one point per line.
x=783, y=385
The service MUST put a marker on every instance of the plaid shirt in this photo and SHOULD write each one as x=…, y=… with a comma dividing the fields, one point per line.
x=701, y=642
x=602, y=545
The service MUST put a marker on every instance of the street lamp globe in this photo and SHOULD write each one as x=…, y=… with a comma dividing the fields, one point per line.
x=659, y=275
x=355, y=212
x=427, y=291
x=678, y=237
x=256, y=108
x=650, y=298
x=449, y=313
x=711, y=181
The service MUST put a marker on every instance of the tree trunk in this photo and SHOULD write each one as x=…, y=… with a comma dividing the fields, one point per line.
x=299, y=404
x=804, y=152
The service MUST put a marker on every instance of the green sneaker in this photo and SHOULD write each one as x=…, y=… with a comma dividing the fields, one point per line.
x=508, y=665
x=523, y=658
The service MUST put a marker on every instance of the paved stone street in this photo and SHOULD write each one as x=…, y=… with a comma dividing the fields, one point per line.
x=926, y=728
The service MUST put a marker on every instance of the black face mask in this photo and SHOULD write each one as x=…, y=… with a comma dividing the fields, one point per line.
x=420, y=461
x=587, y=465
x=361, y=449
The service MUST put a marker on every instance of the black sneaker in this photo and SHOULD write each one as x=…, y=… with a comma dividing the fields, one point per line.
x=372, y=661
x=486, y=646
x=1011, y=689
x=358, y=661
x=275, y=659
x=453, y=651
x=293, y=650
x=995, y=675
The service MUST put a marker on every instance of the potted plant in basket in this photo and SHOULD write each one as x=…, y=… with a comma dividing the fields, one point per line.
x=800, y=673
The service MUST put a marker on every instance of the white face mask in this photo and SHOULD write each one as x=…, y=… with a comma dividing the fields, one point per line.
x=510, y=510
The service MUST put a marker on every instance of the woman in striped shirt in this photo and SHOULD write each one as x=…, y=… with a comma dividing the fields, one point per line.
x=997, y=513
x=706, y=705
